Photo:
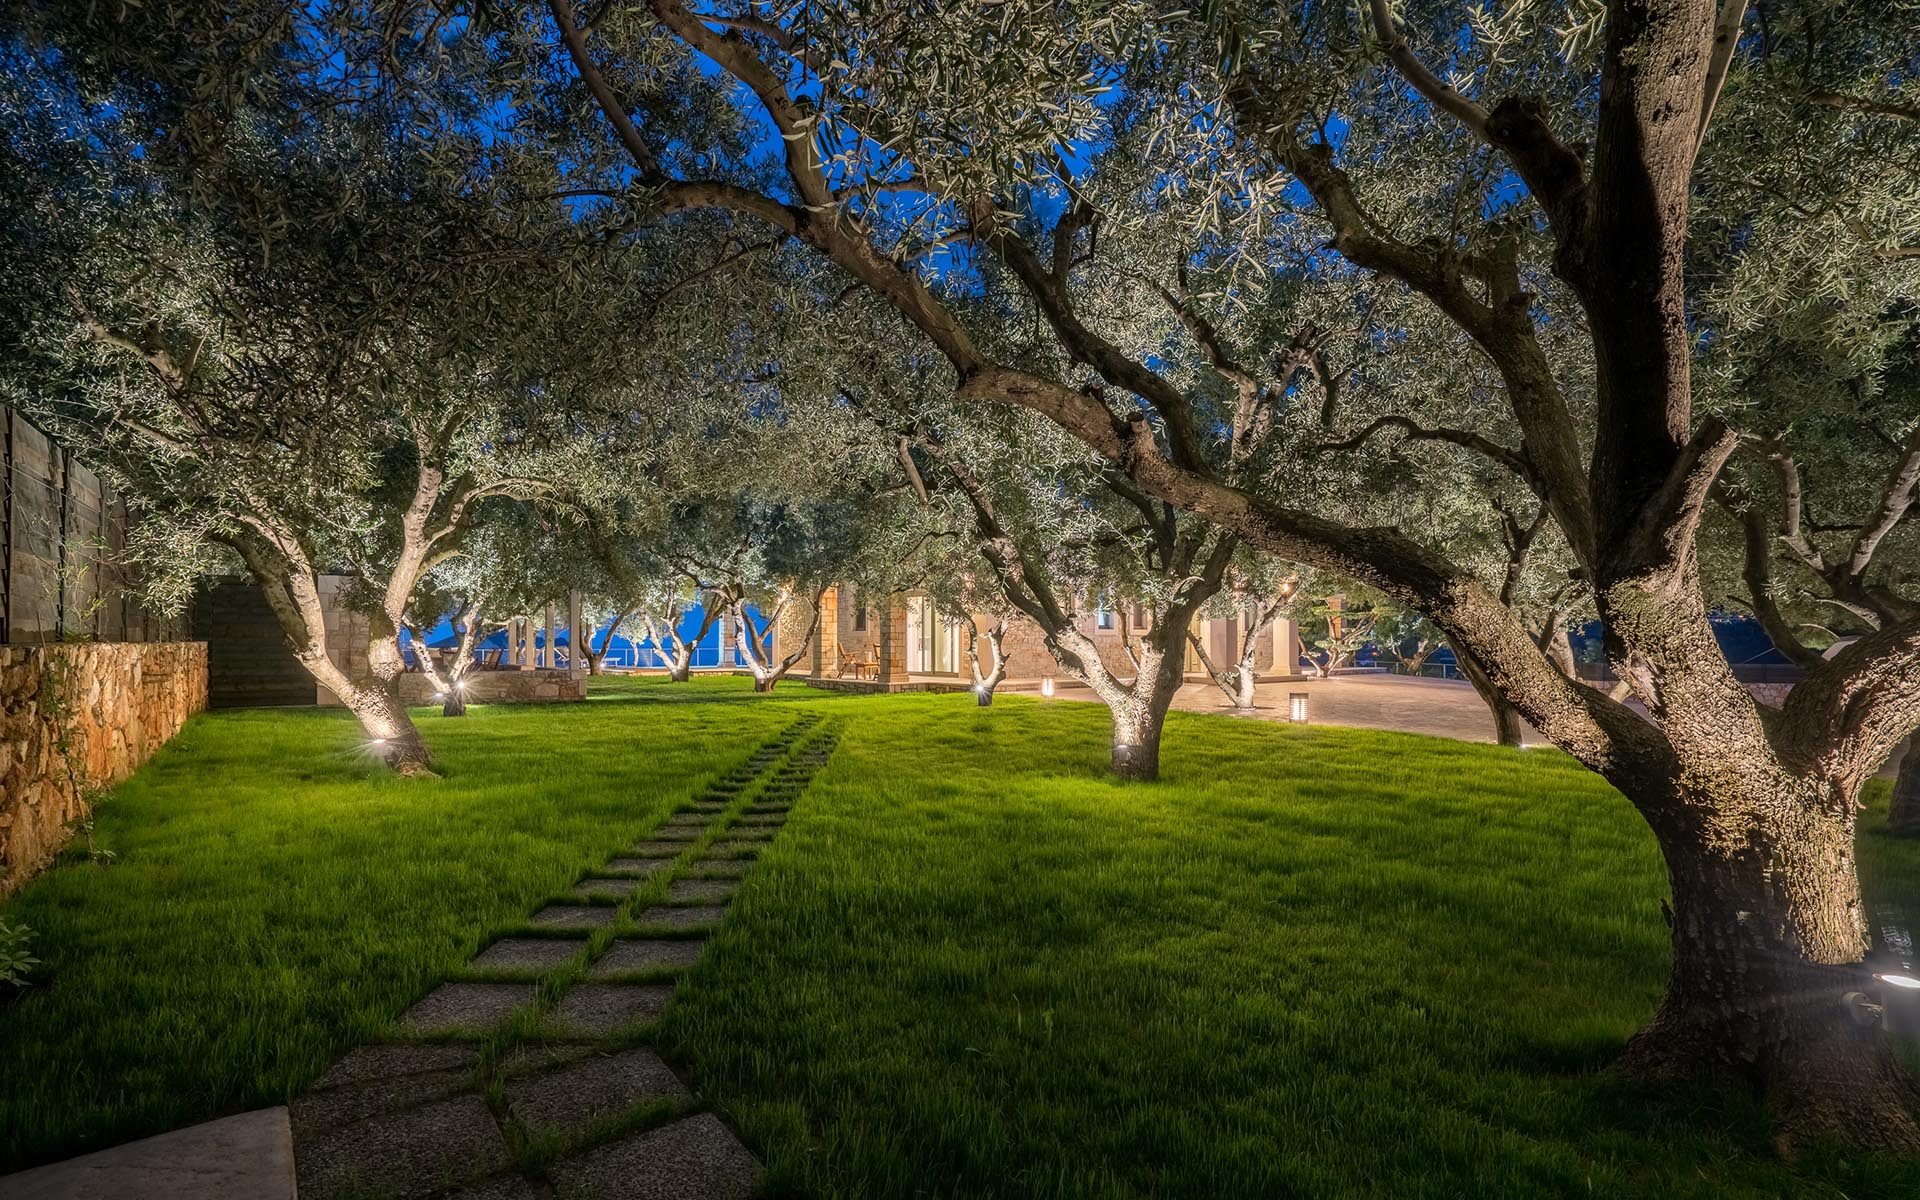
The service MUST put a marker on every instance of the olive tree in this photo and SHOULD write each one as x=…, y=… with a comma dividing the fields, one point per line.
x=1538, y=182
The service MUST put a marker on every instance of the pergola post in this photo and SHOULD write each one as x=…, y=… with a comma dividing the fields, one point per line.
x=524, y=627
x=576, y=638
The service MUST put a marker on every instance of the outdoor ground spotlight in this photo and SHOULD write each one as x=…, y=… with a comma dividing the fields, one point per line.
x=1900, y=1003
x=986, y=697
x=1297, y=707
x=1046, y=685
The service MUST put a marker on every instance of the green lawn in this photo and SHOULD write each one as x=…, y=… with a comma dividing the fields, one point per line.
x=1310, y=962
x=276, y=897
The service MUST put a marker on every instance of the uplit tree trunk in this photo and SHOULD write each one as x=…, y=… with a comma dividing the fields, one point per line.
x=596, y=659
x=680, y=662
x=453, y=700
x=1904, y=814
x=1768, y=937
x=287, y=579
x=1138, y=706
x=1238, y=680
x=756, y=646
x=447, y=687
x=984, y=683
x=1508, y=729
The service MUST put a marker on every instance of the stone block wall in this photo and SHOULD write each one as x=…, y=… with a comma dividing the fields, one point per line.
x=78, y=718
x=545, y=685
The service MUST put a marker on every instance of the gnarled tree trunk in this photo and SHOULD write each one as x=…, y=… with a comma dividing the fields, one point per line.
x=984, y=683
x=1138, y=708
x=1508, y=729
x=1768, y=937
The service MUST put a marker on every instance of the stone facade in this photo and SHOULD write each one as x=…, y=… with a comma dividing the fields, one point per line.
x=77, y=718
x=870, y=631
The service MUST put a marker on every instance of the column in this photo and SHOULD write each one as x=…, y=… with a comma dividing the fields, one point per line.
x=577, y=637
x=525, y=626
x=826, y=639
x=1286, y=646
x=893, y=641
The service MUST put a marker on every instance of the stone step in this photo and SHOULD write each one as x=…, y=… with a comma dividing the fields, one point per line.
x=244, y=1157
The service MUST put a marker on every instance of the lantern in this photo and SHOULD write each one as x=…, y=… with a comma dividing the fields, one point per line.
x=1297, y=707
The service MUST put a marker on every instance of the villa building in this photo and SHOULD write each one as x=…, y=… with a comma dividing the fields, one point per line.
x=905, y=642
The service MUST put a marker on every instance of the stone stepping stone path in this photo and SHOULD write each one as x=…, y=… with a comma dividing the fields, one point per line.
x=636, y=866
x=696, y=916
x=701, y=891
x=647, y=954
x=718, y=868
x=604, y=1010
x=461, y=1007
x=576, y=916
x=521, y=954
x=528, y=1077
x=697, y=1157
x=601, y=1085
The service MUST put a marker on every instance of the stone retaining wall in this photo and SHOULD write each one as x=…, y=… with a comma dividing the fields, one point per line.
x=540, y=686
x=78, y=718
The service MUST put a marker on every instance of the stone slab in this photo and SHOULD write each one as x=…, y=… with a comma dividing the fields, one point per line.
x=572, y=1097
x=330, y=1108
x=512, y=953
x=687, y=820
x=532, y=1057
x=507, y=1187
x=411, y=1154
x=647, y=954
x=694, y=916
x=453, y=1007
x=364, y=1064
x=676, y=833
x=735, y=848
x=575, y=916
x=637, y=866
x=694, y=1159
x=659, y=849
x=721, y=868
x=701, y=890
x=593, y=886
x=604, y=1009
x=244, y=1157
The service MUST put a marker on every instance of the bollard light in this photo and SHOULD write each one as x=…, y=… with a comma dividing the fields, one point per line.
x=1297, y=707
x=1046, y=685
